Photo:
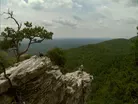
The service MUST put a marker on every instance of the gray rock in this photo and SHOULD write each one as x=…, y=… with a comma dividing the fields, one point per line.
x=40, y=82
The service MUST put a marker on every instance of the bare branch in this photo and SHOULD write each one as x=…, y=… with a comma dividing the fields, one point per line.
x=30, y=42
x=37, y=41
x=10, y=13
x=26, y=48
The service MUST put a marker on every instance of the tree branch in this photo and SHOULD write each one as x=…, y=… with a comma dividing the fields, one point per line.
x=37, y=41
x=26, y=48
x=30, y=42
x=11, y=16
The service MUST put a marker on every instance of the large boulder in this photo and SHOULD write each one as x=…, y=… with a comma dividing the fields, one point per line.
x=40, y=82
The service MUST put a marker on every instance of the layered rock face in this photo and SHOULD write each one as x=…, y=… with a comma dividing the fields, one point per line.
x=40, y=82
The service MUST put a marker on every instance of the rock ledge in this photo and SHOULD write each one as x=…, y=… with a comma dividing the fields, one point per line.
x=41, y=82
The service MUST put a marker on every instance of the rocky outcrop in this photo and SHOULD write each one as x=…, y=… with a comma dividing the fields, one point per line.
x=40, y=82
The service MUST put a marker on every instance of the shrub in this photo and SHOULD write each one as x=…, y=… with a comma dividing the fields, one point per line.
x=57, y=56
x=6, y=60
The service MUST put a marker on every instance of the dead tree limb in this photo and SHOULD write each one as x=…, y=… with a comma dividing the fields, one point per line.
x=10, y=13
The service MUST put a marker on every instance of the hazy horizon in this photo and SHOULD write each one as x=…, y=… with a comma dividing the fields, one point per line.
x=60, y=43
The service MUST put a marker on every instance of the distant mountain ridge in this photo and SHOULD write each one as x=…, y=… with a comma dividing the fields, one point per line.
x=61, y=43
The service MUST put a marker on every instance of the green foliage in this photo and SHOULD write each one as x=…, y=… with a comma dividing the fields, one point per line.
x=13, y=38
x=135, y=47
x=96, y=57
x=6, y=60
x=112, y=65
x=57, y=56
x=5, y=44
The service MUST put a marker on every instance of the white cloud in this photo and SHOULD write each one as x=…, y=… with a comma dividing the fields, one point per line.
x=101, y=18
x=66, y=22
x=48, y=4
x=47, y=23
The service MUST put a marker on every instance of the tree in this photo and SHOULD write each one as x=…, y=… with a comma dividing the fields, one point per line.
x=136, y=49
x=3, y=62
x=7, y=61
x=13, y=38
x=57, y=56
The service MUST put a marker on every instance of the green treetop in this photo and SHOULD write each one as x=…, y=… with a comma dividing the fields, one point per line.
x=13, y=38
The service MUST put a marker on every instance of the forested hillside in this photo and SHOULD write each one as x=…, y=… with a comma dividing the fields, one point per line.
x=112, y=64
x=97, y=56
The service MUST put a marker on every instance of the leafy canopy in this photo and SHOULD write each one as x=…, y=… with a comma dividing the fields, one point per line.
x=13, y=38
x=57, y=56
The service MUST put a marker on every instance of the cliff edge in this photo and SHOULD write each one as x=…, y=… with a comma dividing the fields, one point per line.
x=38, y=81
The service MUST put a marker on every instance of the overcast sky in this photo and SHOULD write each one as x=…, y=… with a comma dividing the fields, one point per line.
x=77, y=18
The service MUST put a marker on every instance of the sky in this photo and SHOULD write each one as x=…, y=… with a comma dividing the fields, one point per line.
x=76, y=18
